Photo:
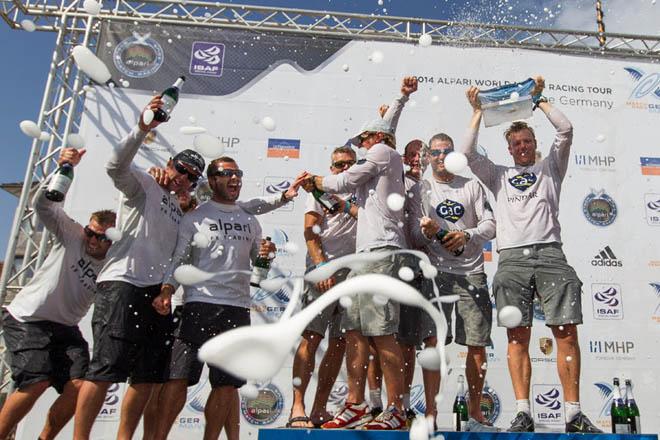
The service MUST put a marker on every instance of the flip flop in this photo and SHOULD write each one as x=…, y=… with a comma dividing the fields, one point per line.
x=293, y=420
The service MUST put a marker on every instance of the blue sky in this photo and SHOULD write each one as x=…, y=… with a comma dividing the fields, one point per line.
x=27, y=55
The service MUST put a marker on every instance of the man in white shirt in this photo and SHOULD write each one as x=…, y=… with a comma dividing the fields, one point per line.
x=40, y=325
x=531, y=257
x=218, y=237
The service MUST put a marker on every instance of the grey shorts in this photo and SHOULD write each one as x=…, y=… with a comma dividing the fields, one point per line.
x=330, y=318
x=474, y=310
x=539, y=269
x=413, y=321
x=367, y=315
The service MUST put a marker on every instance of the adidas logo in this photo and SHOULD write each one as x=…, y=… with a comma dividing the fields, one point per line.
x=606, y=258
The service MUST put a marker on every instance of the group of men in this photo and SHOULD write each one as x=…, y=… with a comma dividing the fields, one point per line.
x=132, y=281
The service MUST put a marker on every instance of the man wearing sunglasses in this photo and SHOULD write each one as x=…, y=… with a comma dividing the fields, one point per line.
x=231, y=240
x=380, y=228
x=327, y=236
x=40, y=325
x=458, y=205
x=531, y=259
x=129, y=336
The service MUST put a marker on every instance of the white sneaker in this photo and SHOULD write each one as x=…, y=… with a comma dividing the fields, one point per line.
x=474, y=426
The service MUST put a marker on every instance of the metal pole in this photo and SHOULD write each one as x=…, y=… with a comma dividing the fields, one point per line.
x=600, y=23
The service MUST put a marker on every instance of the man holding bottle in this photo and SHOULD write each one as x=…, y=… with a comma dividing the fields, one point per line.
x=221, y=238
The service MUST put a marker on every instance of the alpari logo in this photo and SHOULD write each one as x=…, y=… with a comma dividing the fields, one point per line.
x=547, y=405
x=138, y=56
x=266, y=408
x=656, y=312
x=490, y=404
x=652, y=205
x=607, y=301
x=599, y=208
x=606, y=258
x=605, y=390
x=647, y=85
x=417, y=399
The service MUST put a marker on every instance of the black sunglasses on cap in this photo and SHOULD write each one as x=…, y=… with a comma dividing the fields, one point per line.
x=192, y=177
x=226, y=173
x=100, y=237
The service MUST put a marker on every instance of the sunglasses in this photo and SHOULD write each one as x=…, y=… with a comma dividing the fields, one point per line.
x=181, y=169
x=436, y=153
x=227, y=173
x=343, y=163
x=100, y=237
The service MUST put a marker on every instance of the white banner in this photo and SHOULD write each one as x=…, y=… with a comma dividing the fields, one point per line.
x=610, y=205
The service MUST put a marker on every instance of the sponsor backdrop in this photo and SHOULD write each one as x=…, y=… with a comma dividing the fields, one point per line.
x=280, y=104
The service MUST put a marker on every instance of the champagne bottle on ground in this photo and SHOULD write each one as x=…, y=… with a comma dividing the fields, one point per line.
x=633, y=410
x=618, y=411
x=460, y=409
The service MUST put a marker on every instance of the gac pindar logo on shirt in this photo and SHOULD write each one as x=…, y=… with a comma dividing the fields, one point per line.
x=523, y=181
x=599, y=208
x=450, y=210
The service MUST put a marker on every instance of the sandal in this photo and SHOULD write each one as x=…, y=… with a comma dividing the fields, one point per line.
x=293, y=420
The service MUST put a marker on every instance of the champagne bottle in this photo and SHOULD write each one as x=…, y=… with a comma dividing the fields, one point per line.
x=618, y=411
x=170, y=97
x=460, y=409
x=260, y=269
x=60, y=182
x=325, y=200
x=633, y=410
x=440, y=236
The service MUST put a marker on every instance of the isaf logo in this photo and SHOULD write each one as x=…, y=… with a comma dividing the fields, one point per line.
x=450, y=210
x=599, y=208
x=523, y=181
x=207, y=58
x=652, y=205
x=547, y=405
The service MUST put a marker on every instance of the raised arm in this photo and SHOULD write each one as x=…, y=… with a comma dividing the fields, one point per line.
x=481, y=166
x=119, y=165
x=376, y=160
x=264, y=205
x=393, y=112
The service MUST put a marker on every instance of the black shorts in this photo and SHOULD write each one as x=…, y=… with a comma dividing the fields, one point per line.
x=131, y=339
x=44, y=350
x=199, y=323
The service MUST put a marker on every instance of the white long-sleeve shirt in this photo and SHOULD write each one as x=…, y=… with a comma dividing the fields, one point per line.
x=235, y=237
x=527, y=198
x=372, y=181
x=63, y=288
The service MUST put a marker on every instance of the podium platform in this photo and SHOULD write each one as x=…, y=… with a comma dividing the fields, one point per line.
x=350, y=434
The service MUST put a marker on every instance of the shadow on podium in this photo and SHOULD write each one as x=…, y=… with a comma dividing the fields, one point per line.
x=350, y=434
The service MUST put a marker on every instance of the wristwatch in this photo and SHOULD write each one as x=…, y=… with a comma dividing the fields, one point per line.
x=468, y=236
x=537, y=100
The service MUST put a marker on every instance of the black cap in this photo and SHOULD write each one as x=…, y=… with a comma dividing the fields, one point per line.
x=192, y=158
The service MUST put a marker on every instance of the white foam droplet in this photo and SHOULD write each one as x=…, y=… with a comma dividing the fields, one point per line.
x=28, y=25
x=272, y=284
x=435, y=99
x=406, y=273
x=268, y=123
x=188, y=275
x=428, y=270
x=291, y=247
x=429, y=359
x=44, y=136
x=380, y=2
x=316, y=229
x=92, y=7
x=192, y=129
x=484, y=366
x=249, y=391
x=376, y=57
x=113, y=234
x=208, y=146
x=510, y=316
x=419, y=429
x=125, y=83
x=395, y=201
x=425, y=40
x=89, y=63
x=346, y=302
x=600, y=138
x=201, y=240
x=569, y=358
x=147, y=116
x=526, y=251
x=514, y=96
x=296, y=381
x=74, y=140
x=345, y=67
x=455, y=162
x=30, y=128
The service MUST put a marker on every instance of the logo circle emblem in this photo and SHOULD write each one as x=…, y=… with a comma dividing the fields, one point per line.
x=599, y=209
x=265, y=408
x=138, y=56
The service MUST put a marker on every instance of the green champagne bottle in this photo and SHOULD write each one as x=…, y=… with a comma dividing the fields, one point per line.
x=326, y=201
x=60, y=182
x=633, y=410
x=260, y=269
x=618, y=411
x=170, y=97
x=460, y=409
